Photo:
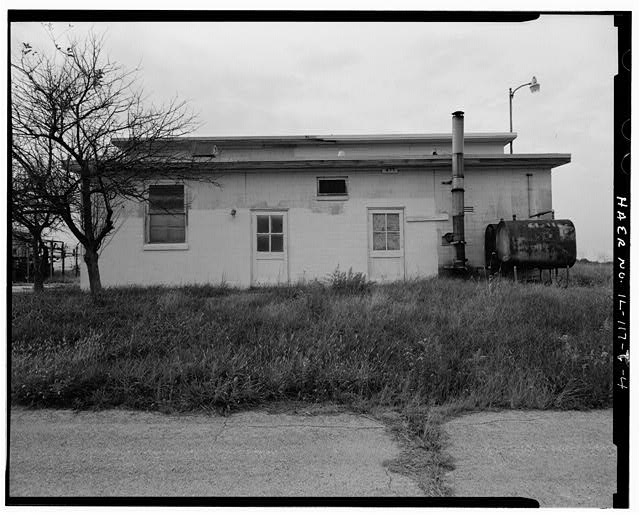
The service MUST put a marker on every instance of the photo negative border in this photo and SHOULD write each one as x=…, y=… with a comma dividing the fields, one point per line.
x=621, y=241
x=621, y=255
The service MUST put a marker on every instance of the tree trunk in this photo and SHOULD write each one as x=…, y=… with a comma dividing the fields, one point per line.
x=38, y=277
x=91, y=259
x=90, y=246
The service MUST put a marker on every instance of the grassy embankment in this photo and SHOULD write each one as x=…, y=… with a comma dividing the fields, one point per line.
x=406, y=346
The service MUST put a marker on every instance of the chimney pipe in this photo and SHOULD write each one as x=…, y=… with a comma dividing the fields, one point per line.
x=457, y=190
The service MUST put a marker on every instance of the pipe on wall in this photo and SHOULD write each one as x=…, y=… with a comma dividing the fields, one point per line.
x=457, y=189
x=529, y=195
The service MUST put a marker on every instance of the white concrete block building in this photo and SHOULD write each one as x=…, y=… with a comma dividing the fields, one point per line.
x=295, y=208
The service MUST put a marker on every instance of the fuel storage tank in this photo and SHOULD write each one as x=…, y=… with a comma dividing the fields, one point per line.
x=535, y=243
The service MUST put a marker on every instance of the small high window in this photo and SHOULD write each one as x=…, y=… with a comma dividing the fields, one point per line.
x=332, y=187
x=166, y=218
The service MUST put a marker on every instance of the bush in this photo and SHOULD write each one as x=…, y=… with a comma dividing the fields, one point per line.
x=349, y=282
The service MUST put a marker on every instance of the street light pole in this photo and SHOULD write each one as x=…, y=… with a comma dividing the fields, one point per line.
x=510, y=119
x=534, y=86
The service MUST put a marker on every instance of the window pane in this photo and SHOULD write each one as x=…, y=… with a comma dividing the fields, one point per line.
x=164, y=198
x=166, y=220
x=158, y=235
x=378, y=223
x=263, y=243
x=263, y=224
x=332, y=186
x=393, y=222
x=166, y=235
x=393, y=241
x=175, y=235
x=166, y=228
x=276, y=223
x=276, y=243
x=379, y=241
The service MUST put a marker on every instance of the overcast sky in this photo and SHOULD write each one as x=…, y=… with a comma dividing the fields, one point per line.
x=367, y=78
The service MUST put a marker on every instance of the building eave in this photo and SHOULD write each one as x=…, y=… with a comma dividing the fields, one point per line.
x=471, y=161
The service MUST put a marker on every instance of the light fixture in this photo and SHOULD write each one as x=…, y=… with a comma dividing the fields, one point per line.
x=534, y=85
x=233, y=212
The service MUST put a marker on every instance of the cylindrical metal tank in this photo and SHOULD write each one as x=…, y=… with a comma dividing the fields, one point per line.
x=536, y=243
x=490, y=255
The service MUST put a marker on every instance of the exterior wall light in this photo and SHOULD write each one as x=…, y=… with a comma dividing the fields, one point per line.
x=233, y=212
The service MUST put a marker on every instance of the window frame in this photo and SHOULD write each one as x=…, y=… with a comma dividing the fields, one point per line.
x=148, y=244
x=386, y=211
x=332, y=196
x=270, y=253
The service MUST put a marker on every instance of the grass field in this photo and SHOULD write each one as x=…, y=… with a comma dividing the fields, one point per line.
x=410, y=346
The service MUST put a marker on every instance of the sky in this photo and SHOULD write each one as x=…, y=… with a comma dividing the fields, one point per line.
x=370, y=78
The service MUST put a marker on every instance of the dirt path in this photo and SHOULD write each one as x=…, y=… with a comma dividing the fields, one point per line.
x=560, y=458
x=123, y=453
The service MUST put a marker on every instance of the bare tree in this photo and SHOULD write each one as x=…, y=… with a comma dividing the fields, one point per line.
x=78, y=103
x=30, y=220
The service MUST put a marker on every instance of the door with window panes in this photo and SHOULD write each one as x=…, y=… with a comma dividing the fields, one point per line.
x=386, y=245
x=269, y=247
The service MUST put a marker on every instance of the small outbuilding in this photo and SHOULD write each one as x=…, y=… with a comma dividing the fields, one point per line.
x=296, y=208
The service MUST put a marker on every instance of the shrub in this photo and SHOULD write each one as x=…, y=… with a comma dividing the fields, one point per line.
x=348, y=282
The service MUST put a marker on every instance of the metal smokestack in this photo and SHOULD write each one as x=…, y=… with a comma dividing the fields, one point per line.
x=457, y=189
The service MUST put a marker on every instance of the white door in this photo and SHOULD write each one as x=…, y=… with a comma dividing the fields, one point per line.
x=386, y=245
x=269, y=247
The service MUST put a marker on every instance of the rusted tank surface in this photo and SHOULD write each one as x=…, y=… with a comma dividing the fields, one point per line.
x=490, y=255
x=536, y=243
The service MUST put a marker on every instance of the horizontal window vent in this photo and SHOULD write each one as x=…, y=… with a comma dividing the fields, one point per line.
x=332, y=187
x=469, y=209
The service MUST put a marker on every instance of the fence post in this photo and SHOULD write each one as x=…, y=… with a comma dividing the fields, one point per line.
x=51, y=247
x=62, y=256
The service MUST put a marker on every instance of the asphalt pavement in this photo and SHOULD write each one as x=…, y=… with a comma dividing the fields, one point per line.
x=126, y=453
x=559, y=458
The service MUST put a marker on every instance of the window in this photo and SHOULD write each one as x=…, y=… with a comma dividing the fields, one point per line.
x=167, y=219
x=332, y=187
x=386, y=231
x=270, y=235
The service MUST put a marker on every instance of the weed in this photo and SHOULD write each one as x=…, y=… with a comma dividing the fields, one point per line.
x=348, y=282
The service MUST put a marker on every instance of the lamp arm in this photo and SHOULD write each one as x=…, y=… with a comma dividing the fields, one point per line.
x=520, y=86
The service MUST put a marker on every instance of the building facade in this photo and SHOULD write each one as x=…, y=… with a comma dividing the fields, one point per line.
x=289, y=209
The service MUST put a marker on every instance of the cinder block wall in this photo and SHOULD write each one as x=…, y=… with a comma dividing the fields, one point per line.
x=322, y=235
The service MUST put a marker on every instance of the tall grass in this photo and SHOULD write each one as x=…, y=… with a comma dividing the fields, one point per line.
x=402, y=345
x=588, y=273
